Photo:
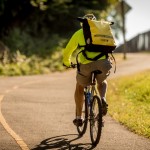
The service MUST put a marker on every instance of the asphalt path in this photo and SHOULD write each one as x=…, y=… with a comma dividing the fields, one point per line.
x=36, y=113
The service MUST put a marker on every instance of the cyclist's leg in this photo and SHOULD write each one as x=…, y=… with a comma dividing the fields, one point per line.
x=79, y=97
x=104, y=66
x=83, y=79
x=102, y=88
x=81, y=119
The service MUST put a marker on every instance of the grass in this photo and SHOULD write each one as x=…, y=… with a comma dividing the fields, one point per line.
x=129, y=102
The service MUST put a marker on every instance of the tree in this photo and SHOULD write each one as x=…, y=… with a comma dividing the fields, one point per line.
x=53, y=14
x=30, y=25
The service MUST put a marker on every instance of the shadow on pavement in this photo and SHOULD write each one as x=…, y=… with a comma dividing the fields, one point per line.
x=63, y=142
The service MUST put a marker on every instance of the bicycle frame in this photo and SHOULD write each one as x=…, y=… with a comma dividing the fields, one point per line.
x=92, y=111
x=91, y=88
x=94, y=116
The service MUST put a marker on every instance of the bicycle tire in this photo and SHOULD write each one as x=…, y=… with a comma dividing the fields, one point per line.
x=82, y=129
x=96, y=120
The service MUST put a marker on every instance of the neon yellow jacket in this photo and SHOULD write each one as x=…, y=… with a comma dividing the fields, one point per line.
x=76, y=40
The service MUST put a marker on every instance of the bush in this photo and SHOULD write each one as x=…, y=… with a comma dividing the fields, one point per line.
x=42, y=54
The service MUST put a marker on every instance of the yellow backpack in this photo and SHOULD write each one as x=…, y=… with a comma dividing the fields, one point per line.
x=98, y=36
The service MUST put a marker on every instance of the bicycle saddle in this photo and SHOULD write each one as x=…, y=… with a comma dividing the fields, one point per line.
x=96, y=72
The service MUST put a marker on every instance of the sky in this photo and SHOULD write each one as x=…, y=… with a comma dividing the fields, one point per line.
x=138, y=18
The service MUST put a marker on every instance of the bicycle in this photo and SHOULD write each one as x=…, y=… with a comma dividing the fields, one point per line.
x=92, y=111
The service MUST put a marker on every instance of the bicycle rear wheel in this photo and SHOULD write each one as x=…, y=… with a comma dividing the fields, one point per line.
x=82, y=129
x=96, y=120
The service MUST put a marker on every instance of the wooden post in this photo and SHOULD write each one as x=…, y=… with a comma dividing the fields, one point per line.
x=123, y=29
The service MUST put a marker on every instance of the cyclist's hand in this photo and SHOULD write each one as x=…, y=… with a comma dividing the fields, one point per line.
x=64, y=65
x=67, y=67
x=73, y=65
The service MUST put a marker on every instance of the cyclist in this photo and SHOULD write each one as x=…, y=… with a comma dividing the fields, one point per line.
x=83, y=76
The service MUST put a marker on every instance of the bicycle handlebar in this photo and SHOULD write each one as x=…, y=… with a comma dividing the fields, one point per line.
x=111, y=23
x=71, y=66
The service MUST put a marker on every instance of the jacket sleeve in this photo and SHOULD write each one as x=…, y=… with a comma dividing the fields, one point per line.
x=70, y=48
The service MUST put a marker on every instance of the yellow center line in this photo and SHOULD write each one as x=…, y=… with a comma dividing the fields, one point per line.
x=15, y=136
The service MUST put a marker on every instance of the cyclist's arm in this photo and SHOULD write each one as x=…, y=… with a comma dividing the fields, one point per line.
x=70, y=48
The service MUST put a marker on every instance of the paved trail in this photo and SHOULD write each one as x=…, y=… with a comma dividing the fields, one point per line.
x=37, y=113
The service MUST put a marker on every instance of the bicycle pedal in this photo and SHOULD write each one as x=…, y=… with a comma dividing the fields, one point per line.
x=78, y=122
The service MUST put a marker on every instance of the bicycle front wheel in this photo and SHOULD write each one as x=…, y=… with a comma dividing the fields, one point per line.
x=96, y=120
x=82, y=129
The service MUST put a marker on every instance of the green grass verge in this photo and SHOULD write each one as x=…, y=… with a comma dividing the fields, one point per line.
x=129, y=102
